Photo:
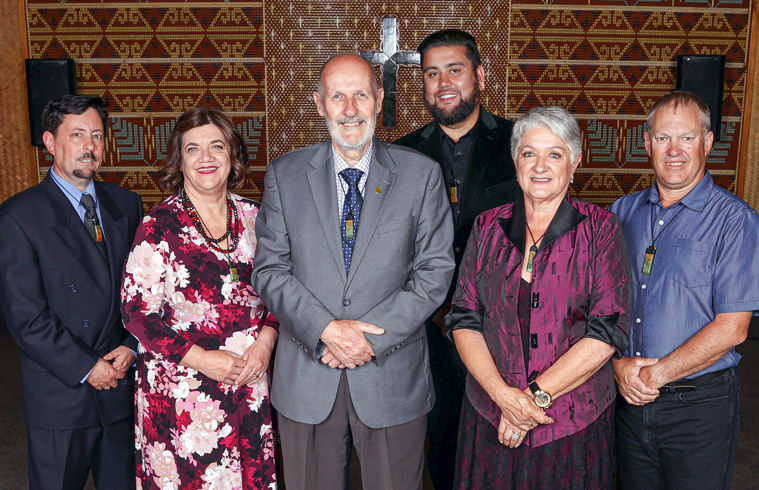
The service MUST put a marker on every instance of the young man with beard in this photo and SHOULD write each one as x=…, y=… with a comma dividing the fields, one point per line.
x=473, y=149
x=354, y=253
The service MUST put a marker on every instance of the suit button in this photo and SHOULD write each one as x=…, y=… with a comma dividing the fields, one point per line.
x=72, y=288
x=346, y=302
x=86, y=323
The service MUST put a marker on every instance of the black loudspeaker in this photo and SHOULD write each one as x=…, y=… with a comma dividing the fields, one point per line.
x=45, y=81
x=705, y=77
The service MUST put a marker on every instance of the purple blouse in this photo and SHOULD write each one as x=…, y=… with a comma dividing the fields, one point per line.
x=580, y=289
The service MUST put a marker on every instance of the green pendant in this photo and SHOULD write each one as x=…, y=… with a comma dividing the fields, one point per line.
x=531, y=257
x=648, y=261
x=349, y=232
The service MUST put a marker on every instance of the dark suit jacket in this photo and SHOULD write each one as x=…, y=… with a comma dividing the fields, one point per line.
x=491, y=175
x=61, y=302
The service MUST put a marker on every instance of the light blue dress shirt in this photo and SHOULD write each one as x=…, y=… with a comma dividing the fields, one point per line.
x=706, y=263
x=74, y=195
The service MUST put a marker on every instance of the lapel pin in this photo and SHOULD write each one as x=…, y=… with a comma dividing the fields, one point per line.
x=378, y=190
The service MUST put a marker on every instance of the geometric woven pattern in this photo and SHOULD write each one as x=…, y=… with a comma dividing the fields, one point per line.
x=607, y=61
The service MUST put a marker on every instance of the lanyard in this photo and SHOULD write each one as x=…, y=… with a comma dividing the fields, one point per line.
x=648, y=260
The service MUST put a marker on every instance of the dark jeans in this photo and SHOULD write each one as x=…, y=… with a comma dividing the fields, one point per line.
x=681, y=440
x=448, y=377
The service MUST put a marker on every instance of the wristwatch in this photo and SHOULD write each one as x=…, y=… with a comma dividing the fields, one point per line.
x=542, y=398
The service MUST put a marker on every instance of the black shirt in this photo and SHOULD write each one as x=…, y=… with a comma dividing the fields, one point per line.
x=455, y=163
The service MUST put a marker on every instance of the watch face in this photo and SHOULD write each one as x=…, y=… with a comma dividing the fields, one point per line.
x=543, y=399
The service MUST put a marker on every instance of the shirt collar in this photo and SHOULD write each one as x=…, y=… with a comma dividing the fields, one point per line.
x=72, y=191
x=471, y=134
x=567, y=218
x=695, y=199
x=363, y=164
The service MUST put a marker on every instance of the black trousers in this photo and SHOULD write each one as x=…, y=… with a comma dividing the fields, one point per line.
x=448, y=377
x=682, y=440
x=62, y=459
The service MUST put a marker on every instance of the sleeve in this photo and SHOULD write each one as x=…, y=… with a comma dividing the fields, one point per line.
x=737, y=266
x=305, y=316
x=608, y=314
x=139, y=212
x=270, y=321
x=406, y=308
x=149, y=266
x=37, y=330
x=467, y=311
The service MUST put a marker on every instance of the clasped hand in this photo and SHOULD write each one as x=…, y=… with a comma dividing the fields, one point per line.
x=256, y=358
x=627, y=374
x=519, y=415
x=110, y=368
x=346, y=343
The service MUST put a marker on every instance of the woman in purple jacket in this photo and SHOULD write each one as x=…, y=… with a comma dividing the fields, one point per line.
x=540, y=308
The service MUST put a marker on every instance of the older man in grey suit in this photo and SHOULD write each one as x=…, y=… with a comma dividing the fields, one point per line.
x=354, y=253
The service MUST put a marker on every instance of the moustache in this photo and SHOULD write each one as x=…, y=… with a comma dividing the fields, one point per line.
x=447, y=91
x=88, y=156
x=353, y=119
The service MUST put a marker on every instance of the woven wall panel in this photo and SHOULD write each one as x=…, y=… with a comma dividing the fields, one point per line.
x=15, y=147
x=607, y=61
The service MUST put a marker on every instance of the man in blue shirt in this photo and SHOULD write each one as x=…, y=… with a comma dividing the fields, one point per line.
x=62, y=250
x=692, y=248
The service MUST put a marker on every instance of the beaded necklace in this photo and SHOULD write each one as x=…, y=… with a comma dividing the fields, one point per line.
x=233, y=228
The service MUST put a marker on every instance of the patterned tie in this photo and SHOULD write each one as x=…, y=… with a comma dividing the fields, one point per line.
x=93, y=226
x=351, y=212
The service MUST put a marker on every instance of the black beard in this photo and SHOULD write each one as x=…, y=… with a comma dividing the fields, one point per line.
x=459, y=113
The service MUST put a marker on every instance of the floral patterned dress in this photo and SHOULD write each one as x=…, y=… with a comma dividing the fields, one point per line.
x=193, y=432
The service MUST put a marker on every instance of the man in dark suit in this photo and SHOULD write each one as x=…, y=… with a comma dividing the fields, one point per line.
x=62, y=248
x=473, y=148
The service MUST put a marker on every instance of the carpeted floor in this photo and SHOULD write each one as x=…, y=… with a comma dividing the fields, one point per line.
x=13, y=430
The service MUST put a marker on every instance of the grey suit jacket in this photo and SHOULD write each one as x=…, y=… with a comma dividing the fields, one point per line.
x=400, y=271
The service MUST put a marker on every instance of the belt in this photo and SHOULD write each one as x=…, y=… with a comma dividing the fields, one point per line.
x=686, y=385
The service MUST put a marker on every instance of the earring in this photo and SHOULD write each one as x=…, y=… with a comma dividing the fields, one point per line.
x=572, y=179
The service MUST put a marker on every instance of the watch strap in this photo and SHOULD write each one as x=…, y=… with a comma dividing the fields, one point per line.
x=534, y=386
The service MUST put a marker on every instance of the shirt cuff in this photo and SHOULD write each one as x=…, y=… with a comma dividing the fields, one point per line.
x=84, y=380
x=605, y=329
x=462, y=318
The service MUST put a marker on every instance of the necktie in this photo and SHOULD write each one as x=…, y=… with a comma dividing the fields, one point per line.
x=351, y=212
x=93, y=225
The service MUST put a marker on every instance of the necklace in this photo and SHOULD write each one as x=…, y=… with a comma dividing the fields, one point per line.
x=648, y=259
x=233, y=228
x=534, y=248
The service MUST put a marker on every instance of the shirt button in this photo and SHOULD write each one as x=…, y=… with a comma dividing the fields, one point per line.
x=661, y=221
x=346, y=302
x=643, y=286
x=72, y=288
x=637, y=354
x=457, y=249
x=86, y=323
x=637, y=320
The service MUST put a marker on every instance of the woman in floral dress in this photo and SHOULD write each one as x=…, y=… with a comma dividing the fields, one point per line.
x=203, y=419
